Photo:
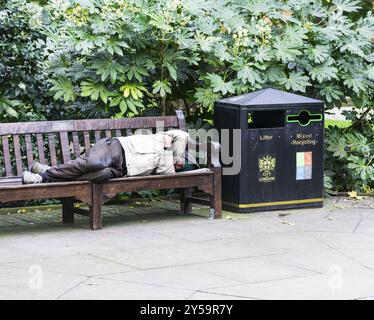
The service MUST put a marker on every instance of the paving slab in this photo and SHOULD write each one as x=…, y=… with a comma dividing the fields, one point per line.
x=363, y=257
x=81, y=264
x=183, y=277
x=352, y=213
x=209, y=230
x=317, y=260
x=10, y=254
x=34, y=283
x=252, y=270
x=95, y=288
x=185, y=253
x=53, y=240
x=345, y=240
x=294, y=240
x=199, y=295
x=339, y=284
x=365, y=225
x=327, y=224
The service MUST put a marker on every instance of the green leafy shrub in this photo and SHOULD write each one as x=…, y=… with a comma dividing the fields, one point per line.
x=197, y=51
x=22, y=87
x=130, y=55
x=349, y=160
x=120, y=58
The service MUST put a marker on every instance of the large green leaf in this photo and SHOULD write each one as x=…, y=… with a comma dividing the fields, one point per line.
x=136, y=72
x=136, y=91
x=295, y=35
x=323, y=72
x=206, y=97
x=286, y=51
x=339, y=148
x=318, y=54
x=63, y=88
x=331, y=93
x=114, y=46
x=161, y=87
x=296, y=81
x=347, y=5
x=125, y=104
x=94, y=91
x=355, y=82
x=249, y=75
x=263, y=54
x=7, y=106
x=219, y=85
x=108, y=69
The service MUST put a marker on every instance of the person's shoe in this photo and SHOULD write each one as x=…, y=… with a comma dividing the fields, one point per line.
x=39, y=168
x=31, y=178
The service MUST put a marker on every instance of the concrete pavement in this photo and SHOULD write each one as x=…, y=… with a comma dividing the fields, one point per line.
x=148, y=250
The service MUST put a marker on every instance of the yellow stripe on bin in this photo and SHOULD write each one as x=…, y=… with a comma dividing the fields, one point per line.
x=275, y=203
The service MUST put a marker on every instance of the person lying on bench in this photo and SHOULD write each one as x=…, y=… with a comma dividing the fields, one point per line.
x=136, y=155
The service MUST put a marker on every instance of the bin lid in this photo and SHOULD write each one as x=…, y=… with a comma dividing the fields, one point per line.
x=268, y=97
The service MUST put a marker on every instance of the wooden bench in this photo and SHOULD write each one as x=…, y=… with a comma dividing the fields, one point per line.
x=55, y=142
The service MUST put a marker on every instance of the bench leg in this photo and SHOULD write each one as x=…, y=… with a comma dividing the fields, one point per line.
x=216, y=198
x=95, y=209
x=68, y=210
x=186, y=204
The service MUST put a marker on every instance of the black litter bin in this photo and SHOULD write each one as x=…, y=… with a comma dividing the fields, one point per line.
x=282, y=137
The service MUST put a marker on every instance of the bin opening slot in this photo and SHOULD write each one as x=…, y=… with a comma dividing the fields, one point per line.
x=304, y=117
x=265, y=119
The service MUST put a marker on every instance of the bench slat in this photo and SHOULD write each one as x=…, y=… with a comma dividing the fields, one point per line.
x=6, y=153
x=118, y=133
x=4, y=182
x=108, y=133
x=160, y=182
x=97, y=136
x=52, y=148
x=16, y=192
x=30, y=157
x=40, y=142
x=17, y=154
x=181, y=120
x=87, y=143
x=77, y=149
x=85, y=125
x=65, y=146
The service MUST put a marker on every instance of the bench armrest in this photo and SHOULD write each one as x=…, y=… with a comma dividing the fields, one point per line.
x=212, y=148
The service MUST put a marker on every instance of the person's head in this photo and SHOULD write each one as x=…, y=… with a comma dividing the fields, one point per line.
x=177, y=140
x=178, y=157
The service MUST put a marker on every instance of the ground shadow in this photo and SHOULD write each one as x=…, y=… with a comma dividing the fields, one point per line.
x=118, y=215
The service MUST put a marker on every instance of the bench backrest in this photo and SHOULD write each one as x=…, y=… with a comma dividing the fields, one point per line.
x=55, y=142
